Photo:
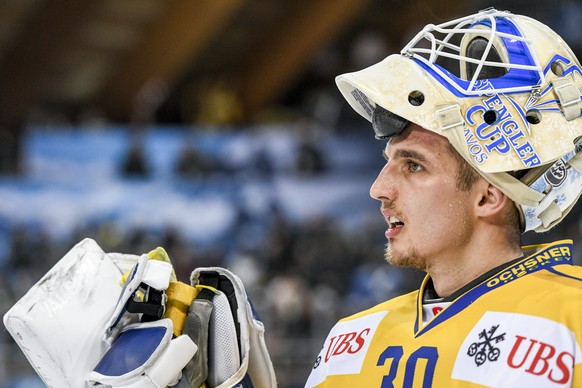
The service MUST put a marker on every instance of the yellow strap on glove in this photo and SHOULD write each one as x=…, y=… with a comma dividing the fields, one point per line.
x=180, y=296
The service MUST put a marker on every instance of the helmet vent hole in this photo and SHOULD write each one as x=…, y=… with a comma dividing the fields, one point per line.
x=490, y=117
x=557, y=68
x=416, y=98
x=533, y=116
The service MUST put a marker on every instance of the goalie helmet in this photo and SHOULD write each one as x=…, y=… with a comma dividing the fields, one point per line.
x=504, y=89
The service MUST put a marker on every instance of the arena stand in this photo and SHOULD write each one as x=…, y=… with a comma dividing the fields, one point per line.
x=290, y=214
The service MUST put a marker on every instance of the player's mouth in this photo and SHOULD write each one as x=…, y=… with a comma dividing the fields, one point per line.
x=394, y=224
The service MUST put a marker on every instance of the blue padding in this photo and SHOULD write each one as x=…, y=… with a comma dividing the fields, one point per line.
x=130, y=351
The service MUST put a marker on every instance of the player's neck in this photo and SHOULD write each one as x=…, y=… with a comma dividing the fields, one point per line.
x=453, y=271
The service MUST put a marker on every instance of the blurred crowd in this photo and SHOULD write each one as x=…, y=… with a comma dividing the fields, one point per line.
x=302, y=274
x=301, y=277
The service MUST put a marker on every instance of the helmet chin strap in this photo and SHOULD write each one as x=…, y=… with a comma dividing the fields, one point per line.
x=561, y=183
x=543, y=201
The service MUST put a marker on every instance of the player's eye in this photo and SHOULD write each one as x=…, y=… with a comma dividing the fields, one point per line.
x=413, y=166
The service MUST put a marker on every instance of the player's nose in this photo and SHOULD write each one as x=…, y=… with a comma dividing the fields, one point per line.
x=384, y=187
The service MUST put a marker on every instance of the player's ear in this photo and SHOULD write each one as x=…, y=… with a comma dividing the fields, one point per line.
x=490, y=200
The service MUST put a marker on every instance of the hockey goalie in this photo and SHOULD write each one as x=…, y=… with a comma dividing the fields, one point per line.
x=101, y=319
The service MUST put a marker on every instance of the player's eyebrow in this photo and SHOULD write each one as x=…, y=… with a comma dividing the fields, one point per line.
x=411, y=154
x=406, y=153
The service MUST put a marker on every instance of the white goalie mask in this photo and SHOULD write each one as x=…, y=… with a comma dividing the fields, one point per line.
x=504, y=89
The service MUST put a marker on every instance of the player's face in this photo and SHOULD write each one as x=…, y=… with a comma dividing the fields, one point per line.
x=428, y=216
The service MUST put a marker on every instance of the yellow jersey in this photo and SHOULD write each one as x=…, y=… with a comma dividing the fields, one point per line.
x=519, y=327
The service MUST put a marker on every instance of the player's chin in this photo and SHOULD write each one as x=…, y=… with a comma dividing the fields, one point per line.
x=399, y=256
x=392, y=255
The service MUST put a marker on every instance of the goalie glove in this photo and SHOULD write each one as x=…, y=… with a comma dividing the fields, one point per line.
x=79, y=327
x=142, y=353
x=63, y=324
x=59, y=322
x=142, y=296
x=223, y=318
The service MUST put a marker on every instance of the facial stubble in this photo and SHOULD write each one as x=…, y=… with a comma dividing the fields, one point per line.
x=410, y=259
